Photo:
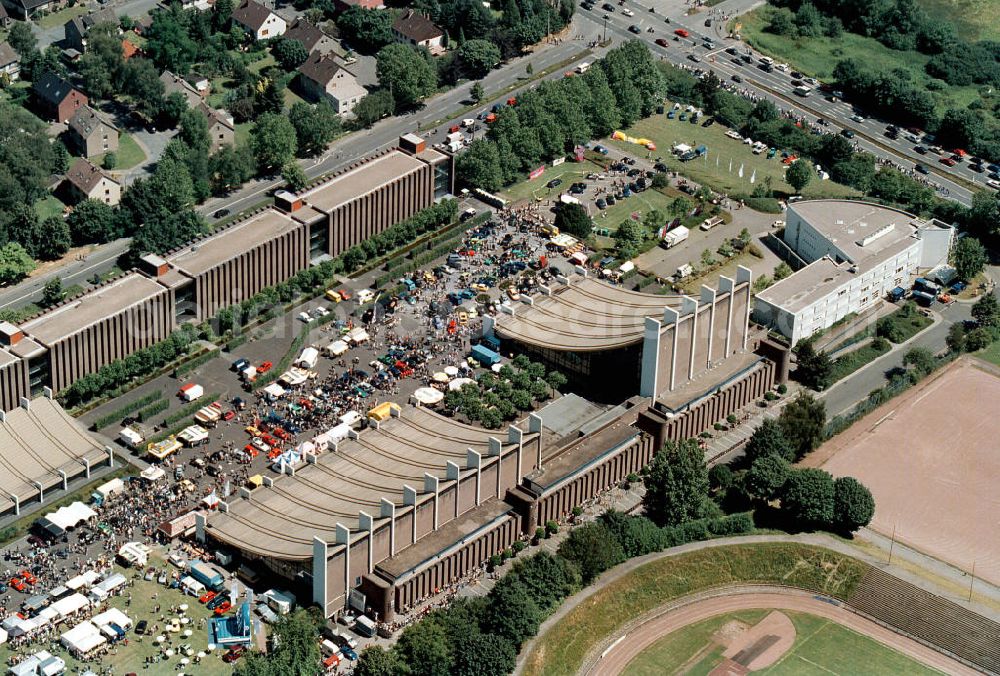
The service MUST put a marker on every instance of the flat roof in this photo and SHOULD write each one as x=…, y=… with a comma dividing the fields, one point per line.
x=847, y=224
x=361, y=180
x=35, y=444
x=205, y=254
x=583, y=316
x=92, y=307
x=281, y=520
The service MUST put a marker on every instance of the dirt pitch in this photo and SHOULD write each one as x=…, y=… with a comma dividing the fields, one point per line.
x=931, y=458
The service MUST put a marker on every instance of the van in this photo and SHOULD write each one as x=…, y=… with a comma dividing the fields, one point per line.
x=766, y=60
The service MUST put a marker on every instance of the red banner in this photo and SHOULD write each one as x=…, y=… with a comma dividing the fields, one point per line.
x=537, y=172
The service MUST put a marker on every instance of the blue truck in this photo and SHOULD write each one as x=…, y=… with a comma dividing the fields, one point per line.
x=208, y=576
x=485, y=355
x=897, y=294
x=926, y=286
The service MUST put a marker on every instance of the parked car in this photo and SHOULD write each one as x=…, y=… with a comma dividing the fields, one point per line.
x=221, y=213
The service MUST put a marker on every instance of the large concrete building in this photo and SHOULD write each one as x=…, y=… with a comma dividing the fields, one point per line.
x=378, y=519
x=112, y=321
x=854, y=254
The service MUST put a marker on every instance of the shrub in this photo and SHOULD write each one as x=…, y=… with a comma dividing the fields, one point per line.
x=577, y=511
x=518, y=546
x=551, y=528
x=540, y=533
x=593, y=549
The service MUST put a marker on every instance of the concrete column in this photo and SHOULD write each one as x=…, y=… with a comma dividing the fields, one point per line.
x=690, y=307
x=744, y=274
x=17, y=504
x=343, y=535
x=473, y=459
x=433, y=485
x=580, y=270
x=410, y=498
x=366, y=522
x=199, y=526
x=86, y=468
x=535, y=425
x=516, y=436
x=708, y=298
x=496, y=449
x=65, y=481
x=47, y=392
x=670, y=316
x=41, y=491
x=650, y=358
x=111, y=456
x=454, y=474
x=727, y=285
x=389, y=512
x=319, y=574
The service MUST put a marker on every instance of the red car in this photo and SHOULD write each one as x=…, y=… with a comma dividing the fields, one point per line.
x=28, y=577
x=681, y=32
x=229, y=415
x=207, y=596
x=345, y=294
x=233, y=654
x=265, y=367
x=947, y=161
x=662, y=42
x=222, y=608
x=959, y=152
x=17, y=583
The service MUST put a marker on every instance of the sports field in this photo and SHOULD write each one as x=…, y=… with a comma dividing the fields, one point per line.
x=820, y=646
x=930, y=458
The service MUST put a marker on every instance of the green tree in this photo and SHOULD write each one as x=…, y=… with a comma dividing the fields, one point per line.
x=767, y=440
x=230, y=167
x=372, y=108
x=573, y=218
x=479, y=166
x=110, y=160
x=781, y=271
x=556, y=380
x=986, y=311
x=676, y=484
x=485, y=655
x=921, y=359
x=547, y=579
x=477, y=93
x=511, y=613
x=140, y=80
x=802, y=420
x=889, y=329
x=853, y=504
x=425, y=649
x=813, y=368
x=315, y=126
x=290, y=54
x=295, y=650
x=767, y=476
x=637, y=535
x=799, y=174
x=15, y=263
x=956, y=338
x=50, y=239
x=377, y=661
x=808, y=497
x=478, y=57
x=273, y=141
x=369, y=30
x=22, y=39
x=168, y=43
x=52, y=292
x=969, y=257
x=405, y=73
x=293, y=176
x=593, y=550
x=92, y=222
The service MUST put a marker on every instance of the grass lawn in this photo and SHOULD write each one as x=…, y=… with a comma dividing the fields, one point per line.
x=713, y=170
x=569, y=172
x=129, y=154
x=49, y=206
x=62, y=16
x=975, y=19
x=818, y=56
x=821, y=647
x=145, y=595
x=908, y=321
x=991, y=353
x=561, y=649
x=852, y=361
x=243, y=133
x=639, y=203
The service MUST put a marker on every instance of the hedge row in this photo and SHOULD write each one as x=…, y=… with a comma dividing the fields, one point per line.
x=190, y=409
x=286, y=360
x=192, y=364
x=146, y=414
x=118, y=414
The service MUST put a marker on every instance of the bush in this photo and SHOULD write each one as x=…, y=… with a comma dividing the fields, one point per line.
x=119, y=413
x=518, y=547
x=540, y=533
x=577, y=511
x=593, y=549
x=146, y=414
x=551, y=528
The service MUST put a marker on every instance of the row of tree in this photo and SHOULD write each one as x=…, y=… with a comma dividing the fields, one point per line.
x=515, y=389
x=548, y=122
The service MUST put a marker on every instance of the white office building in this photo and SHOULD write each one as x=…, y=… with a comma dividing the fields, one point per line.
x=856, y=253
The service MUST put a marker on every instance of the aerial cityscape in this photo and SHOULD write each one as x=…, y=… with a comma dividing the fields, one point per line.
x=489, y=337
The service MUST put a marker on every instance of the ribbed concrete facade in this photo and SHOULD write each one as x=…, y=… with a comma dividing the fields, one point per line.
x=13, y=381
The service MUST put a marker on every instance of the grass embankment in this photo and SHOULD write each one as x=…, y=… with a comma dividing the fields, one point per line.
x=562, y=648
x=818, y=56
x=714, y=170
x=821, y=645
x=852, y=361
x=974, y=19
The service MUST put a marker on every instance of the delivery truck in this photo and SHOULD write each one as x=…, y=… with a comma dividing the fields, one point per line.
x=675, y=237
x=205, y=574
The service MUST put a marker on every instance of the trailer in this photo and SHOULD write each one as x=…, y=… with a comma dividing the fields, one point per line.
x=193, y=436
x=191, y=391
x=130, y=437
x=675, y=237
x=923, y=298
x=205, y=574
x=485, y=356
x=711, y=223
x=209, y=415
x=163, y=449
x=308, y=358
x=802, y=91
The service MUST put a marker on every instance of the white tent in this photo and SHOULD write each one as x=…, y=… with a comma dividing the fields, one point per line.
x=16, y=626
x=103, y=588
x=308, y=358
x=70, y=516
x=46, y=616
x=458, y=383
x=112, y=615
x=83, y=638
x=70, y=604
x=152, y=473
x=293, y=377
x=3, y=636
x=356, y=336
x=134, y=553
x=274, y=390
x=41, y=663
x=428, y=396
x=337, y=348
x=83, y=579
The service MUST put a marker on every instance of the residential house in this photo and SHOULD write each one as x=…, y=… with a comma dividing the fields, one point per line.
x=414, y=28
x=142, y=24
x=57, y=99
x=258, y=20
x=25, y=9
x=76, y=29
x=10, y=61
x=92, y=133
x=321, y=77
x=363, y=4
x=221, y=128
x=130, y=49
x=311, y=37
x=84, y=180
x=4, y=17
x=176, y=84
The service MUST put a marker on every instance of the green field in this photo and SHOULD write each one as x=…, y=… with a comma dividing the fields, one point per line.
x=562, y=648
x=975, y=19
x=59, y=18
x=48, y=206
x=818, y=56
x=713, y=170
x=129, y=154
x=821, y=647
x=991, y=353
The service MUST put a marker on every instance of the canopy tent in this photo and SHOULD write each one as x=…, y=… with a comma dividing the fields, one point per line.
x=289, y=458
x=103, y=588
x=112, y=615
x=451, y=371
x=356, y=336
x=70, y=516
x=274, y=390
x=428, y=396
x=134, y=553
x=65, y=607
x=293, y=377
x=18, y=626
x=440, y=377
x=459, y=383
x=3, y=636
x=42, y=663
x=334, y=435
x=83, y=638
x=152, y=473
x=82, y=580
x=211, y=500
x=337, y=348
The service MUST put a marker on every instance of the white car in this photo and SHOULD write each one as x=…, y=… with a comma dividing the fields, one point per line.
x=857, y=118
x=320, y=311
x=365, y=296
x=628, y=12
x=260, y=445
x=305, y=317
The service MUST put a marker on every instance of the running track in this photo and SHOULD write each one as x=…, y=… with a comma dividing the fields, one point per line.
x=673, y=617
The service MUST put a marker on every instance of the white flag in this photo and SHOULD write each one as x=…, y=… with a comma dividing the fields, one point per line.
x=716, y=160
x=730, y=165
x=741, y=171
x=753, y=176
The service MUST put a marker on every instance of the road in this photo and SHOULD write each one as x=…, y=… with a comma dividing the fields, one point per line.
x=695, y=610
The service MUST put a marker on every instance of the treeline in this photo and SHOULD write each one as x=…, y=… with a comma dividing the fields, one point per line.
x=904, y=25
x=494, y=398
x=546, y=123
